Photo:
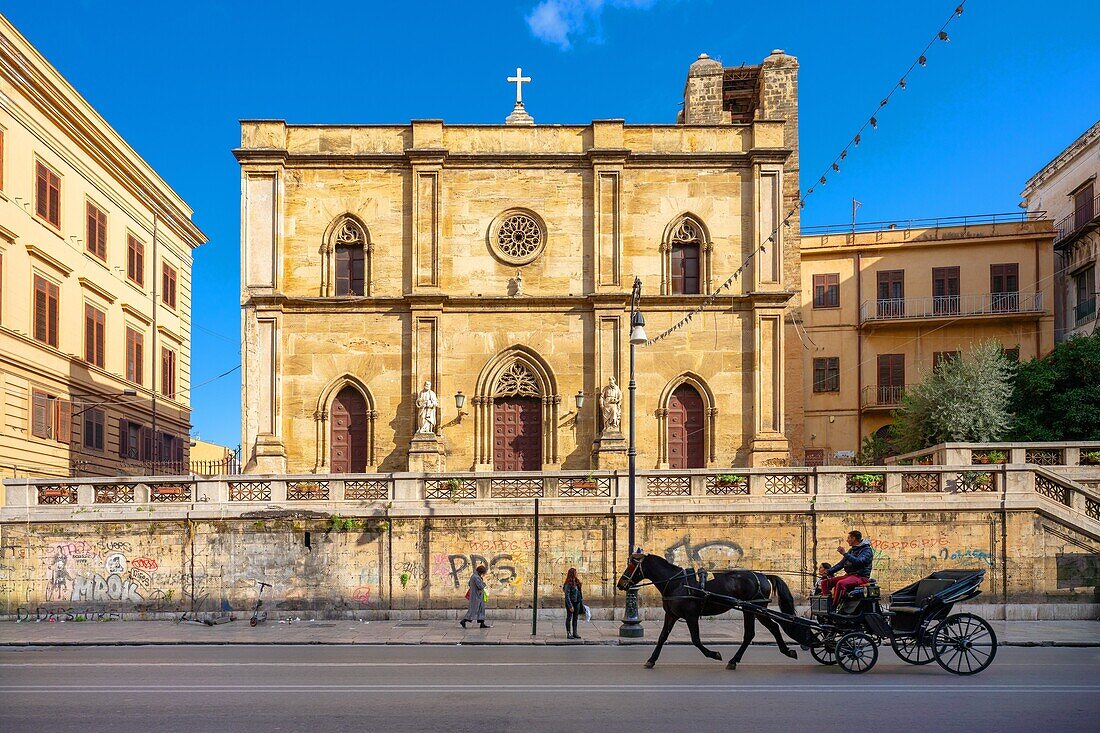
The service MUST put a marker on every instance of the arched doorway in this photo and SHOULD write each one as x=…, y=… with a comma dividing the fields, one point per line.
x=517, y=434
x=349, y=432
x=686, y=425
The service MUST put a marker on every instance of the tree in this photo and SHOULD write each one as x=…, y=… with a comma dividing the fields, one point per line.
x=1058, y=397
x=964, y=399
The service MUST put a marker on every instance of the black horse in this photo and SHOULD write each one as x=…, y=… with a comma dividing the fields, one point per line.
x=683, y=597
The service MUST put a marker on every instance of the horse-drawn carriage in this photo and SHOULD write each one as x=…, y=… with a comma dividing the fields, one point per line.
x=917, y=624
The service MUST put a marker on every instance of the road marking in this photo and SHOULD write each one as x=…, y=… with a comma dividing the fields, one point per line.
x=524, y=688
x=754, y=665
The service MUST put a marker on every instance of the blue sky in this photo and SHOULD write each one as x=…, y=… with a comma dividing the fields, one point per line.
x=1016, y=83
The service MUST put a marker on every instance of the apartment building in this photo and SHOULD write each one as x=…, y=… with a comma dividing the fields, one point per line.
x=1066, y=190
x=95, y=287
x=882, y=306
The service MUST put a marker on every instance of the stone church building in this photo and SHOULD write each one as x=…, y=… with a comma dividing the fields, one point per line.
x=495, y=262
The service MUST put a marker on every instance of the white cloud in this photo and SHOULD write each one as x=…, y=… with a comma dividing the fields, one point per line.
x=560, y=21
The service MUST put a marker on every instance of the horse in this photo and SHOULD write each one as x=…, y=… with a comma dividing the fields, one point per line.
x=684, y=601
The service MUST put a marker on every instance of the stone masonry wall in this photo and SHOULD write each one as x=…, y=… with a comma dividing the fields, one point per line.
x=373, y=567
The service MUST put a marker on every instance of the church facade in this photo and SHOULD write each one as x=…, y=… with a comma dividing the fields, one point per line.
x=496, y=262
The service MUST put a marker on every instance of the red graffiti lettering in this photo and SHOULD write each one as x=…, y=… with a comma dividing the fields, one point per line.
x=144, y=563
x=361, y=595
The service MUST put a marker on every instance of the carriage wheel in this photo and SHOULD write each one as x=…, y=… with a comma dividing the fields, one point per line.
x=914, y=651
x=964, y=644
x=826, y=653
x=856, y=652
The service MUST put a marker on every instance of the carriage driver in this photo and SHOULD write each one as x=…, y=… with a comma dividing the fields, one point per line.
x=856, y=564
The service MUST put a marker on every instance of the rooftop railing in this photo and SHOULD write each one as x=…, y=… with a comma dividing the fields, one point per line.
x=927, y=223
x=1081, y=217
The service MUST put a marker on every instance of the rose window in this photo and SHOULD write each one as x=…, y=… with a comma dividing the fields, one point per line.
x=518, y=237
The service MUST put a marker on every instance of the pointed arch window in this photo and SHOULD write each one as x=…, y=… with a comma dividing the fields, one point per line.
x=685, y=258
x=346, y=259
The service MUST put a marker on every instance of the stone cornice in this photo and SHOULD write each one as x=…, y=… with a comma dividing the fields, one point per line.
x=502, y=303
x=103, y=293
x=269, y=156
x=136, y=314
x=46, y=258
x=1089, y=137
x=39, y=82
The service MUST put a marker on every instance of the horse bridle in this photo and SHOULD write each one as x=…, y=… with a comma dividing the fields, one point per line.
x=636, y=563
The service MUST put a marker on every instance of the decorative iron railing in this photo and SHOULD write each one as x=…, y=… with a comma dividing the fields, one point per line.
x=977, y=304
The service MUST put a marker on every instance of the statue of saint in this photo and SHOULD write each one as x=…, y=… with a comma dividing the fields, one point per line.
x=426, y=404
x=611, y=407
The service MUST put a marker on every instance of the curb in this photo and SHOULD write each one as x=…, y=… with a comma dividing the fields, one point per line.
x=615, y=642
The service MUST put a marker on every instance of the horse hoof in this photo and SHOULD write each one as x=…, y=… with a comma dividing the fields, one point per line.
x=792, y=654
x=648, y=665
x=731, y=665
x=717, y=655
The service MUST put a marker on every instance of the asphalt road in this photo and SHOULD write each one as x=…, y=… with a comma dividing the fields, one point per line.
x=571, y=689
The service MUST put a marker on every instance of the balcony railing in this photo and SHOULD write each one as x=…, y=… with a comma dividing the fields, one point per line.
x=1084, y=311
x=1077, y=220
x=884, y=396
x=984, y=304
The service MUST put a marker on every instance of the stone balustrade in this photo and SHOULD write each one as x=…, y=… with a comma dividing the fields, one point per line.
x=1079, y=453
x=838, y=488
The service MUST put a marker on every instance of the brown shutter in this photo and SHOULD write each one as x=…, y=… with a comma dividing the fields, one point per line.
x=101, y=338
x=40, y=309
x=89, y=334
x=55, y=199
x=42, y=191
x=51, y=312
x=40, y=415
x=146, y=452
x=122, y=434
x=64, y=420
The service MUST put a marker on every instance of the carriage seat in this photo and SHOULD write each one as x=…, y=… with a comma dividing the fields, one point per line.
x=926, y=589
x=869, y=589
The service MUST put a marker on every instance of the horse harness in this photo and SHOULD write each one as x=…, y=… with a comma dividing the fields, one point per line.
x=695, y=582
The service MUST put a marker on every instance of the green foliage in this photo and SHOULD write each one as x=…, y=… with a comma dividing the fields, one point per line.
x=990, y=456
x=867, y=480
x=1058, y=397
x=730, y=478
x=876, y=449
x=1090, y=457
x=964, y=400
x=452, y=484
x=343, y=524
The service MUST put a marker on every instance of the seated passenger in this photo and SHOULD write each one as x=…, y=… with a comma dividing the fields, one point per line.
x=822, y=571
x=856, y=564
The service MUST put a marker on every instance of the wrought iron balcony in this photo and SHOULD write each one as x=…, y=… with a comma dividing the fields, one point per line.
x=882, y=397
x=950, y=306
x=1084, y=311
x=1080, y=219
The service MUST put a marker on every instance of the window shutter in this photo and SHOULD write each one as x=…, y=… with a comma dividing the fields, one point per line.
x=89, y=334
x=64, y=420
x=42, y=191
x=51, y=313
x=40, y=415
x=123, y=432
x=55, y=199
x=343, y=270
x=40, y=310
x=146, y=453
x=100, y=338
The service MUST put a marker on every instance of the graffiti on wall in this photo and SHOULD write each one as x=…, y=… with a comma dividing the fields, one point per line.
x=711, y=554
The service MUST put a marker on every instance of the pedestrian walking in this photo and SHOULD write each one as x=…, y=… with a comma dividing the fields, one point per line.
x=574, y=603
x=477, y=595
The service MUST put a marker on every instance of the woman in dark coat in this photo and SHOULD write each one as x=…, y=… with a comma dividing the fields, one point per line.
x=476, y=611
x=574, y=603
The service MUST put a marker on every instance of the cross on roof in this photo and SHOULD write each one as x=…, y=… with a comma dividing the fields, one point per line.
x=518, y=80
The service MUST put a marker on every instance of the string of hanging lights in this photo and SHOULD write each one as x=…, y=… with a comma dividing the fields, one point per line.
x=833, y=167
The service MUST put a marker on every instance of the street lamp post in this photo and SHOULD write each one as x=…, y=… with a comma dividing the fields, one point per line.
x=632, y=624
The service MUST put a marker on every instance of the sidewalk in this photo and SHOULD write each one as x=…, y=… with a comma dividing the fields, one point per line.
x=306, y=631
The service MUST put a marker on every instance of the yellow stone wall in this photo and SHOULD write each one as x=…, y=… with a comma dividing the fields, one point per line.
x=408, y=563
x=439, y=305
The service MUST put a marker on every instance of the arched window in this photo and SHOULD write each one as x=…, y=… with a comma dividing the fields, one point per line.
x=350, y=257
x=346, y=258
x=685, y=258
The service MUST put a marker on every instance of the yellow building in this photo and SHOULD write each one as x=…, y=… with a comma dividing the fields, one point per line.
x=495, y=262
x=881, y=308
x=95, y=287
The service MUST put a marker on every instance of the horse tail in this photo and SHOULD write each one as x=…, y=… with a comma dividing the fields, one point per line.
x=795, y=630
x=786, y=600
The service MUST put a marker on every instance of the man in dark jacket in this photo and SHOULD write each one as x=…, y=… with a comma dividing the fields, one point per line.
x=856, y=564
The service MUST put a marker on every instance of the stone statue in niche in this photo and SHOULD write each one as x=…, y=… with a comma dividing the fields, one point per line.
x=426, y=404
x=611, y=407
